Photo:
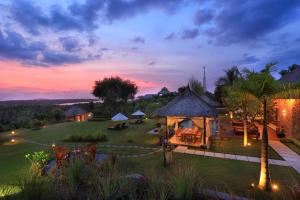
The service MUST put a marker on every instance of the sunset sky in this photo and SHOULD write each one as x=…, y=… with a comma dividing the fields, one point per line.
x=57, y=49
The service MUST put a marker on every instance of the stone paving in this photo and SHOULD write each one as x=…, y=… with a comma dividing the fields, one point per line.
x=287, y=154
x=183, y=149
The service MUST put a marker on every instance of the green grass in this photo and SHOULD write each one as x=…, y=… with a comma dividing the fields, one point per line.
x=221, y=174
x=292, y=146
x=14, y=166
x=225, y=175
x=235, y=146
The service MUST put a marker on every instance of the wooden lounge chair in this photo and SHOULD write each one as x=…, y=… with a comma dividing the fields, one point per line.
x=124, y=125
x=115, y=127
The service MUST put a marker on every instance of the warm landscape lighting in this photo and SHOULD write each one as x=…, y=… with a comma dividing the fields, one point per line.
x=275, y=187
x=252, y=185
x=13, y=132
x=249, y=144
x=284, y=112
x=53, y=145
x=13, y=140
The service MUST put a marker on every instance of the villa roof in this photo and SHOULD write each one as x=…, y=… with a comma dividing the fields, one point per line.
x=187, y=104
x=74, y=110
x=292, y=76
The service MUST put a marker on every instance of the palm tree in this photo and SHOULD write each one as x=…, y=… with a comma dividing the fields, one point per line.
x=231, y=75
x=264, y=87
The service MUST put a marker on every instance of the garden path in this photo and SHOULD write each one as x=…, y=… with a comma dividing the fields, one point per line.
x=183, y=149
x=287, y=154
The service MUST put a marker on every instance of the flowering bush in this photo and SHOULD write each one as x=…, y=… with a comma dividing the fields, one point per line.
x=38, y=160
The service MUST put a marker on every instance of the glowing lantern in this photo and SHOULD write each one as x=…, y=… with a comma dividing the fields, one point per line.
x=284, y=112
x=13, y=140
x=13, y=132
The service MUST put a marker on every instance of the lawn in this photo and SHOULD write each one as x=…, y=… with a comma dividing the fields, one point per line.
x=235, y=146
x=225, y=175
x=292, y=146
x=12, y=161
x=220, y=174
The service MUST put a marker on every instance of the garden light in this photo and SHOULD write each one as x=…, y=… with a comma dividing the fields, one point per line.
x=13, y=132
x=249, y=144
x=252, y=185
x=53, y=145
x=275, y=187
x=13, y=140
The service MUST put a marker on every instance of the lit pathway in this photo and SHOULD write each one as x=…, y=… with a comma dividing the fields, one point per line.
x=287, y=154
x=182, y=149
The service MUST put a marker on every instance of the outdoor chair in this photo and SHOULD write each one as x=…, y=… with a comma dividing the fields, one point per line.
x=123, y=125
x=62, y=156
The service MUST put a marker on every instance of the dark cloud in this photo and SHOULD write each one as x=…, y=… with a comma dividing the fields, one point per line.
x=119, y=9
x=82, y=16
x=87, y=11
x=13, y=46
x=138, y=39
x=203, y=16
x=248, y=59
x=171, y=36
x=151, y=63
x=189, y=34
x=242, y=21
x=30, y=16
x=104, y=49
x=134, y=48
x=70, y=44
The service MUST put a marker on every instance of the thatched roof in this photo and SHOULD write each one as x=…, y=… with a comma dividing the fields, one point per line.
x=292, y=76
x=187, y=104
x=74, y=110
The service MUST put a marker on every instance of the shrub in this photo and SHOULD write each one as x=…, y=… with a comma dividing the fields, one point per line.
x=185, y=180
x=38, y=160
x=37, y=188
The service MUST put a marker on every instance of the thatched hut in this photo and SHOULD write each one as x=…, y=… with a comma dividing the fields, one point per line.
x=190, y=120
x=75, y=113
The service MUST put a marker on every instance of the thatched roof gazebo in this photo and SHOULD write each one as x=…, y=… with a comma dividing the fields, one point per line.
x=188, y=106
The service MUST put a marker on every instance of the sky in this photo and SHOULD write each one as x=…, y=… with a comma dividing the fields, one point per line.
x=58, y=49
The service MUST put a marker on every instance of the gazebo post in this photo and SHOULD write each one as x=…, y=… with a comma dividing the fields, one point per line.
x=165, y=141
x=204, y=134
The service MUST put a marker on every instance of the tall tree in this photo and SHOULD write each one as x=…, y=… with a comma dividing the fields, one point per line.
x=264, y=87
x=196, y=86
x=230, y=76
x=114, y=90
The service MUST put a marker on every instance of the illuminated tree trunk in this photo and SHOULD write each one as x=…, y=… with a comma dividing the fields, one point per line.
x=245, y=133
x=265, y=180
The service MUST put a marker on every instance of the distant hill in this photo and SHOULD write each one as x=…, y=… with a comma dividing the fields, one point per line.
x=43, y=102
